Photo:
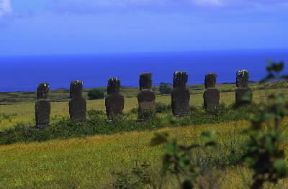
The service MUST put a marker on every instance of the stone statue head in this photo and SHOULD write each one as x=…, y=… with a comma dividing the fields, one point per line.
x=42, y=91
x=76, y=88
x=145, y=81
x=242, y=78
x=180, y=79
x=210, y=80
x=113, y=85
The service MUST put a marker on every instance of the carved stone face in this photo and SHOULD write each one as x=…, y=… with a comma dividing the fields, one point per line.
x=76, y=88
x=210, y=80
x=242, y=79
x=113, y=86
x=145, y=81
x=180, y=79
x=42, y=91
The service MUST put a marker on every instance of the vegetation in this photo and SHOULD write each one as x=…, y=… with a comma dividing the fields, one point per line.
x=23, y=112
x=177, y=159
x=91, y=162
x=165, y=88
x=96, y=94
x=97, y=124
x=263, y=151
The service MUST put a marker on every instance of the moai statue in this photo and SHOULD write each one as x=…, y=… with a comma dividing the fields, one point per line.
x=180, y=96
x=243, y=94
x=146, y=97
x=77, y=104
x=114, y=102
x=211, y=95
x=42, y=106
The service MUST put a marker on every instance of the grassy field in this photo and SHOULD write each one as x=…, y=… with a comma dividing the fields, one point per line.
x=89, y=162
x=21, y=110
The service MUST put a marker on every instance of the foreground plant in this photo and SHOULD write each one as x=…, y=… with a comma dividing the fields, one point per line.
x=177, y=159
x=264, y=152
x=139, y=177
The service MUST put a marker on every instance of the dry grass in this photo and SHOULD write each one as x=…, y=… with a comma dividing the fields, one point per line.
x=88, y=162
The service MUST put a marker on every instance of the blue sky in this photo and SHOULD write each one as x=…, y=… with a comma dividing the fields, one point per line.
x=30, y=27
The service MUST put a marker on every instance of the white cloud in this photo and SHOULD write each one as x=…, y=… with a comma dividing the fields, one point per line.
x=209, y=2
x=99, y=6
x=103, y=5
x=5, y=7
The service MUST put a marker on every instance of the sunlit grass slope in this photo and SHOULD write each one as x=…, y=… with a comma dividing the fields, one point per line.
x=89, y=162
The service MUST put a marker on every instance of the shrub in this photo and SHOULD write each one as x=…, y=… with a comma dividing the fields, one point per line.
x=139, y=176
x=177, y=158
x=165, y=88
x=162, y=108
x=96, y=123
x=96, y=94
x=264, y=152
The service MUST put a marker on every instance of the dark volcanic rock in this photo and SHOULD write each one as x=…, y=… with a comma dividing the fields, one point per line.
x=243, y=94
x=77, y=104
x=42, y=106
x=114, y=102
x=180, y=96
x=146, y=97
x=211, y=95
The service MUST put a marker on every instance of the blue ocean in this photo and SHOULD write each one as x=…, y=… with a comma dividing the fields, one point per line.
x=23, y=73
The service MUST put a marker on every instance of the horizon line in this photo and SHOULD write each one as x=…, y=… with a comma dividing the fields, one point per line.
x=144, y=52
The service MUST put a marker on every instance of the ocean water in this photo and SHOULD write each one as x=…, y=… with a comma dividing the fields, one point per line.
x=23, y=73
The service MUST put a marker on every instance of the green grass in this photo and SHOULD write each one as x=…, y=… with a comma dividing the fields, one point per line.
x=97, y=124
x=79, y=157
x=88, y=162
x=22, y=111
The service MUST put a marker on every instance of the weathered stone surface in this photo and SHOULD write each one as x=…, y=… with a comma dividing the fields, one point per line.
x=76, y=89
x=146, y=97
x=242, y=79
x=210, y=80
x=180, y=96
x=113, y=86
x=243, y=94
x=42, y=106
x=43, y=91
x=180, y=79
x=77, y=104
x=145, y=81
x=211, y=95
x=114, y=102
x=211, y=99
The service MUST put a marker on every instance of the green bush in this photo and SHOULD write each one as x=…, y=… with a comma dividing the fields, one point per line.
x=96, y=94
x=162, y=108
x=165, y=88
x=97, y=123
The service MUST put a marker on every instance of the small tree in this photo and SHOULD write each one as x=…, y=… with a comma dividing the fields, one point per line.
x=165, y=88
x=96, y=94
